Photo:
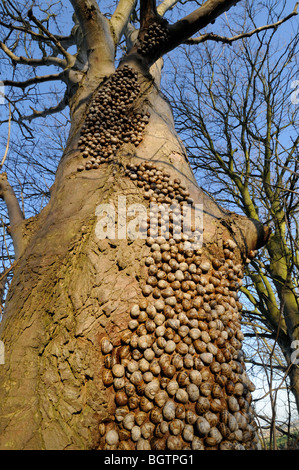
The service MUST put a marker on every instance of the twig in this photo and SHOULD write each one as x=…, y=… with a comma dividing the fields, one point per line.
x=8, y=138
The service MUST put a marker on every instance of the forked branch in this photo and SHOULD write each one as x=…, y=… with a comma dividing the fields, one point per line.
x=223, y=39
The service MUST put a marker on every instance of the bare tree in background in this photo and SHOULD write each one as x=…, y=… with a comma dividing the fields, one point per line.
x=118, y=342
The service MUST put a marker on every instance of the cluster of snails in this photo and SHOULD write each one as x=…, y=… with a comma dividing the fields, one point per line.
x=111, y=120
x=156, y=35
x=178, y=375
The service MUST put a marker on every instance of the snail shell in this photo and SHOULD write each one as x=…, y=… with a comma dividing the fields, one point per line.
x=210, y=441
x=135, y=310
x=182, y=348
x=108, y=361
x=112, y=437
x=239, y=389
x=136, y=377
x=174, y=443
x=217, y=391
x=181, y=396
x=128, y=421
x=172, y=387
x=212, y=418
x=169, y=410
x=145, y=404
x=202, y=426
x=118, y=370
x=169, y=370
x=183, y=378
x=160, y=398
x=133, y=403
x=151, y=389
x=158, y=444
x=176, y=427
x=156, y=416
x=202, y=405
x=200, y=346
x=140, y=417
x=106, y=346
x=121, y=398
x=193, y=392
x=216, y=405
x=147, y=429
x=180, y=411
x=230, y=387
x=124, y=434
x=224, y=430
x=135, y=433
x=177, y=361
x=143, y=444
x=197, y=444
x=232, y=423
x=107, y=377
x=216, y=434
x=206, y=357
x=233, y=404
x=226, y=445
x=102, y=429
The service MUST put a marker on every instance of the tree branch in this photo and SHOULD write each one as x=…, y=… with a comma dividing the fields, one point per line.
x=148, y=12
x=120, y=17
x=223, y=39
x=14, y=213
x=32, y=62
x=35, y=80
x=198, y=19
x=97, y=34
x=69, y=57
x=48, y=111
x=165, y=6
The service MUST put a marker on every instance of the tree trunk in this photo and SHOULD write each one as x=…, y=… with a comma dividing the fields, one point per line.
x=83, y=312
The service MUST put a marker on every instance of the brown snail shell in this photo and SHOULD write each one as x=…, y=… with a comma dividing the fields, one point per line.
x=145, y=404
x=169, y=410
x=106, y=346
x=140, y=417
x=202, y=426
x=112, y=437
x=107, y=377
x=121, y=398
x=174, y=443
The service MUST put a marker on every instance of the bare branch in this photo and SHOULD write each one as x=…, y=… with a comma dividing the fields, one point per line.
x=48, y=111
x=120, y=17
x=165, y=6
x=35, y=80
x=8, y=138
x=198, y=19
x=69, y=57
x=97, y=35
x=217, y=38
x=30, y=61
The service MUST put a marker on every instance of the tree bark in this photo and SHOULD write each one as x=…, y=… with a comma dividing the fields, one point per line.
x=71, y=290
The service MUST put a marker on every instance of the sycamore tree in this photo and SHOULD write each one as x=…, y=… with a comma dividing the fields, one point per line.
x=121, y=327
